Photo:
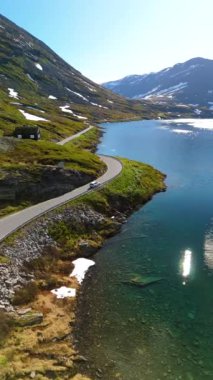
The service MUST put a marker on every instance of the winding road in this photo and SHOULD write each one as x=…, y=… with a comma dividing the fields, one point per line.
x=13, y=222
x=70, y=138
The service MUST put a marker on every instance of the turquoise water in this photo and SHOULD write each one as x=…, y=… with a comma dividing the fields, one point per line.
x=164, y=330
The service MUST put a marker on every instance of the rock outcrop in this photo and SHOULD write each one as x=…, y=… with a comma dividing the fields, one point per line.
x=41, y=183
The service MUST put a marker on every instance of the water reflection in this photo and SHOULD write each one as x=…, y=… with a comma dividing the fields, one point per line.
x=162, y=331
x=208, y=248
x=186, y=264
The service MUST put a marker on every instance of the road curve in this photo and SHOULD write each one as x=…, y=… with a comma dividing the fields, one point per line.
x=62, y=142
x=13, y=222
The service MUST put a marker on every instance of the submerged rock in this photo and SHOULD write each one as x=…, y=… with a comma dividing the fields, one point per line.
x=142, y=281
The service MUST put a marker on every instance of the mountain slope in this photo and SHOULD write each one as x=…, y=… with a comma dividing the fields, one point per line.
x=37, y=81
x=38, y=87
x=190, y=82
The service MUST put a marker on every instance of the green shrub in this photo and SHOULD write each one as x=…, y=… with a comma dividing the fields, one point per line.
x=4, y=260
x=6, y=325
x=26, y=294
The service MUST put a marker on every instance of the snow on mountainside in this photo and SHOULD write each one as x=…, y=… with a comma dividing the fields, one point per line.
x=37, y=77
x=35, y=80
x=190, y=82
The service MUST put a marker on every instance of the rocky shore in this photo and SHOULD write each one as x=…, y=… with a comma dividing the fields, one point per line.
x=30, y=244
x=35, y=326
x=43, y=326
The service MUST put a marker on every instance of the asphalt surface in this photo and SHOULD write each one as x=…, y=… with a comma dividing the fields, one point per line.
x=62, y=142
x=13, y=222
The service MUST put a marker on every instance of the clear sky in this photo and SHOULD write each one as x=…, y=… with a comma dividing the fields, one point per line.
x=109, y=39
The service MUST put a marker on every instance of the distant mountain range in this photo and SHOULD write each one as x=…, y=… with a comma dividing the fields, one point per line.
x=189, y=83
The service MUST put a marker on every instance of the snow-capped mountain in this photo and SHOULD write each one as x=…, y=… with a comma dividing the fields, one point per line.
x=190, y=82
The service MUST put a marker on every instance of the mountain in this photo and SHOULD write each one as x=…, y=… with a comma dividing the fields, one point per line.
x=190, y=82
x=38, y=87
x=34, y=80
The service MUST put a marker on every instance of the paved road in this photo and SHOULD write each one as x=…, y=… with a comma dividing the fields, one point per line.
x=12, y=222
x=62, y=142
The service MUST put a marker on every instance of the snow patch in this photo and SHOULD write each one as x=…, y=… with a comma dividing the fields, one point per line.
x=38, y=66
x=147, y=93
x=66, y=109
x=64, y=292
x=52, y=97
x=167, y=91
x=196, y=123
x=29, y=76
x=79, y=95
x=81, y=117
x=13, y=93
x=81, y=267
x=98, y=105
x=28, y=116
x=184, y=131
x=197, y=111
x=210, y=106
x=91, y=89
x=110, y=101
x=2, y=27
x=170, y=90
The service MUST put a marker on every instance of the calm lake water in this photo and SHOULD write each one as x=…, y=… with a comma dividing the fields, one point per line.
x=165, y=330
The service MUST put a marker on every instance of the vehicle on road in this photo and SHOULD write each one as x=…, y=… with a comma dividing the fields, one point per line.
x=94, y=184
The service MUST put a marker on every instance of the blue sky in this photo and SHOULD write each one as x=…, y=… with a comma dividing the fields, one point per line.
x=109, y=39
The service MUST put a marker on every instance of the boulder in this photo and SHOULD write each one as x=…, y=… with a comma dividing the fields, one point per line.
x=29, y=319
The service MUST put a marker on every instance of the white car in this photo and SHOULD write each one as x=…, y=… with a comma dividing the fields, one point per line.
x=94, y=184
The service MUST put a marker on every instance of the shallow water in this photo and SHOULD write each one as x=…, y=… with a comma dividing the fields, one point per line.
x=164, y=330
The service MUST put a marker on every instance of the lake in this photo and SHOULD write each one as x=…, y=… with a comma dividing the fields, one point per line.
x=164, y=330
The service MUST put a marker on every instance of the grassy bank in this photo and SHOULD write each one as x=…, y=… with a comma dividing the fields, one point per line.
x=37, y=349
x=88, y=140
x=134, y=187
x=25, y=163
x=20, y=153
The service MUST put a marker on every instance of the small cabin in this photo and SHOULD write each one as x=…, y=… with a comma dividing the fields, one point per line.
x=26, y=132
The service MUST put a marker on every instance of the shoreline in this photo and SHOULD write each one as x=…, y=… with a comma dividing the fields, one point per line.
x=94, y=218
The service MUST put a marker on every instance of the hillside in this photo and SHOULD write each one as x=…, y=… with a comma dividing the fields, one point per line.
x=37, y=85
x=189, y=83
x=35, y=80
